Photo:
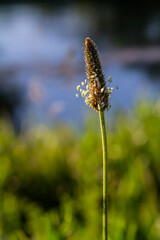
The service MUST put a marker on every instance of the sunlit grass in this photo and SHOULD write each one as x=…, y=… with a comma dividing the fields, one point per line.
x=50, y=188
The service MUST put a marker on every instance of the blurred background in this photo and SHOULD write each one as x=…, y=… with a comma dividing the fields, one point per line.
x=50, y=146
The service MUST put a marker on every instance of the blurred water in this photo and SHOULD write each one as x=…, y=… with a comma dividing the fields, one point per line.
x=42, y=52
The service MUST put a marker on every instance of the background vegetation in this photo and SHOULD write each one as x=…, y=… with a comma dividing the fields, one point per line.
x=51, y=179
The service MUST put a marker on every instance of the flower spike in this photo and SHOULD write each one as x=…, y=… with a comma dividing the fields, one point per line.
x=97, y=94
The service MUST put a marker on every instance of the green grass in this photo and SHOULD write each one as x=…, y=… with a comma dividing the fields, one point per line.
x=51, y=188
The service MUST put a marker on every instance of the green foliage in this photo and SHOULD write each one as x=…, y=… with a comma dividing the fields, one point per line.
x=51, y=180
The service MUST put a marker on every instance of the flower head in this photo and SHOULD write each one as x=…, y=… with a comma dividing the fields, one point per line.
x=96, y=94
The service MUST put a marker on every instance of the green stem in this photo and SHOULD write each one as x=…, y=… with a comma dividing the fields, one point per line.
x=105, y=174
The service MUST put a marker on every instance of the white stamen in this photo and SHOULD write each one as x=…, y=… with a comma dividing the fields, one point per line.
x=102, y=90
x=78, y=87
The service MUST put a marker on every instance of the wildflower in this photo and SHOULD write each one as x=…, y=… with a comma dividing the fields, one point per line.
x=97, y=94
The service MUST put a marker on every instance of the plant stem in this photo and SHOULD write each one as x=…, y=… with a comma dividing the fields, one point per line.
x=105, y=175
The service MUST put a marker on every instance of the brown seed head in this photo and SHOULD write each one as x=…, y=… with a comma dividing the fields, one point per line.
x=99, y=95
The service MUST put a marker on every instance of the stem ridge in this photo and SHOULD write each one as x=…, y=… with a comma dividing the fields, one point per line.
x=105, y=176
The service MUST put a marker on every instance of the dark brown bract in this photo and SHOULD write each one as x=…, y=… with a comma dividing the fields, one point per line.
x=96, y=93
x=99, y=95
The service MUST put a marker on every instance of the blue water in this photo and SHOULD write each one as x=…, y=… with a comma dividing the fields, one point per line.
x=43, y=54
